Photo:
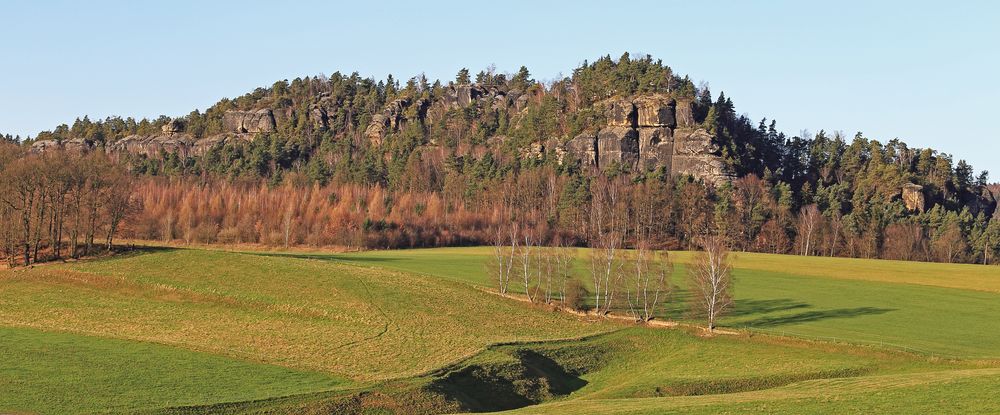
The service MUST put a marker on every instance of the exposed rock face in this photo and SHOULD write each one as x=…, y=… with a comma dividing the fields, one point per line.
x=913, y=197
x=152, y=145
x=319, y=118
x=239, y=122
x=693, y=142
x=685, y=114
x=655, y=111
x=535, y=151
x=203, y=145
x=621, y=113
x=394, y=118
x=695, y=155
x=618, y=146
x=396, y=114
x=376, y=129
x=75, y=145
x=183, y=145
x=584, y=148
x=647, y=133
x=174, y=126
x=656, y=148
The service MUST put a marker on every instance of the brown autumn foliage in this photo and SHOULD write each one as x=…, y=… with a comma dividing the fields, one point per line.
x=60, y=204
x=223, y=212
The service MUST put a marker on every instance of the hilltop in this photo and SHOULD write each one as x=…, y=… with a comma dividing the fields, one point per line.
x=450, y=146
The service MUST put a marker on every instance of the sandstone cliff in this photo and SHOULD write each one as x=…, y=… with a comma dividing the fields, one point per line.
x=646, y=132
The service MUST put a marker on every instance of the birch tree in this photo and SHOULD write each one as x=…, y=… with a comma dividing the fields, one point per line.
x=711, y=280
x=609, y=224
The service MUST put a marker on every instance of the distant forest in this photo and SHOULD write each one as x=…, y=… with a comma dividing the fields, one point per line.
x=359, y=162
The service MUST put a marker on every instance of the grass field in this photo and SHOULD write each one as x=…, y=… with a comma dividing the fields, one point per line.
x=67, y=373
x=856, y=300
x=206, y=331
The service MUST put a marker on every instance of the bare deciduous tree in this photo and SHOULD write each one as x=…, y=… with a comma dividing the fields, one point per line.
x=647, y=278
x=609, y=224
x=809, y=222
x=505, y=238
x=711, y=280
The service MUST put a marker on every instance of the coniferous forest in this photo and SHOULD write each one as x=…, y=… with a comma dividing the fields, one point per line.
x=344, y=160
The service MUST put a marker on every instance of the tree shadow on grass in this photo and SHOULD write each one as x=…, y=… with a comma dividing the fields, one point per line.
x=679, y=305
x=810, y=316
x=749, y=307
x=327, y=257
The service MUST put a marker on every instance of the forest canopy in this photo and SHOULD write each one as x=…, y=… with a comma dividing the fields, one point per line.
x=348, y=160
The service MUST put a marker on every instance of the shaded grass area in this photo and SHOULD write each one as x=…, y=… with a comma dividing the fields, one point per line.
x=48, y=372
x=901, y=304
x=953, y=391
x=629, y=365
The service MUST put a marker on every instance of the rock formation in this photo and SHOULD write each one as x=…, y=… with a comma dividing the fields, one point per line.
x=913, y=197
x=643, y=133
x=259, y=121
x=618, y=146
x=75, y=144
x=648, y=133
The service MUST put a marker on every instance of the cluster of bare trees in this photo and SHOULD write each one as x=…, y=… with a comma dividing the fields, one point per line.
x=618, y=216
x=59, y=203
x=522, y=257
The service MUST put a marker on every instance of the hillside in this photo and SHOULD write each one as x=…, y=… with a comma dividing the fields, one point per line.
x=204, y=331
x=434, y=160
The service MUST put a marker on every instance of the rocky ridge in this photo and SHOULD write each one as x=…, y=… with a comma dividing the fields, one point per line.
x=643, y=133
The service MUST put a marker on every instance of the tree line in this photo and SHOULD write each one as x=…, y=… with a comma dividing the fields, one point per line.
x=811, y=194
x=60, y=204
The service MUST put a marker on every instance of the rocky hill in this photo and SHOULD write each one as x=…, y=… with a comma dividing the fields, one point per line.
x=641, y=133
x=632, y=132
x=630, y=116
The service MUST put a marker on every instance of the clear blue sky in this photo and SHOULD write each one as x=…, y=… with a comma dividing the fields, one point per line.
x=924, y=71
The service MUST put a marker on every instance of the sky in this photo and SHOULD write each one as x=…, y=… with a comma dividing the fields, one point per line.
x=925, y=72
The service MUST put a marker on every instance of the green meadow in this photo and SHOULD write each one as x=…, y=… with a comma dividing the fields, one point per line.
x=416, y=331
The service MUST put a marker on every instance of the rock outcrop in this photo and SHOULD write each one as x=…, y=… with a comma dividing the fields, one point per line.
x=75, y=144
x=913, y=197
x=153, y=145
x=174, y=126
x=648, y=133
x=655, y=111
x=618, y=146
x=397, y=113
x=656, y=148
x=643, y=133
x=241, y=122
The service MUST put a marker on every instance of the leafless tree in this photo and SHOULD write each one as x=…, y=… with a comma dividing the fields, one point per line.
x=647, y=278
x=527, y=260
x=949, y=244
x=711, y=280
x=609, y=224
x=119, y=203
x=505, y=235
x=809, y=222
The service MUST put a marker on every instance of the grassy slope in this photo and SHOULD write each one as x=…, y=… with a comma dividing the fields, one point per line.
x=67, y=373
x=643, y=363
x=952, y=391
x=906, y=304
x=466, y=264
x=364, y=324
x=370, y=324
